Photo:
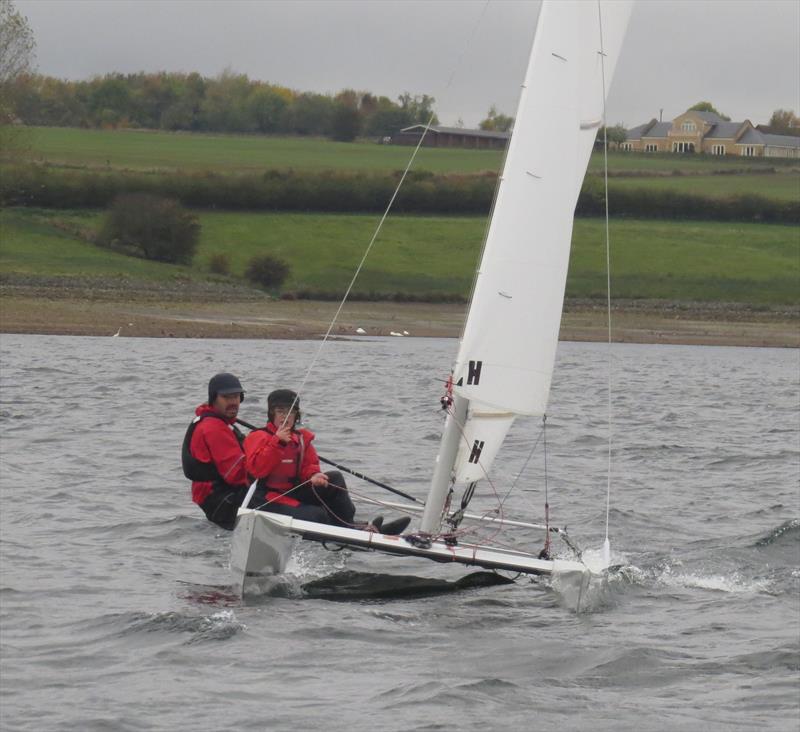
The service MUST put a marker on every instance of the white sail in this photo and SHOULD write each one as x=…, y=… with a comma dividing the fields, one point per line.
x=507, y=352
x=505, y=361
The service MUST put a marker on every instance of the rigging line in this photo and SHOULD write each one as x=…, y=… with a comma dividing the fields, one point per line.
x=608, y=258
x=342, y=467
x=524, y=466
x=364, y=258
x=388, y=208
x=546, y=549
x=279, y=496
x=499, y=510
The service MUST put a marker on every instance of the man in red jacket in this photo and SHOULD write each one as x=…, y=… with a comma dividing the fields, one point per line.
x=284, y=460
x=212, y=454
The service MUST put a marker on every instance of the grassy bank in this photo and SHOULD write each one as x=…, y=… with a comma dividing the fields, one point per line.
x=423, y=257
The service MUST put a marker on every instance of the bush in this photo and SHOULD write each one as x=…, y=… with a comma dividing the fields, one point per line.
x=219, y=263
x=151, y=227
x=267, y=271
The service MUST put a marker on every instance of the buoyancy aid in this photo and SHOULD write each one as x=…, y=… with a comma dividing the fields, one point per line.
x=286, y=475
x=197, y=470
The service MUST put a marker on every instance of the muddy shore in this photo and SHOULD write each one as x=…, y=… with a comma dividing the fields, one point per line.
x=81, y=309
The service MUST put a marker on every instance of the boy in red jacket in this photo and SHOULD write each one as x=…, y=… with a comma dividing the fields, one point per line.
x=291, y=482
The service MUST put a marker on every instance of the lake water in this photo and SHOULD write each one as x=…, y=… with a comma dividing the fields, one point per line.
x=115, y=592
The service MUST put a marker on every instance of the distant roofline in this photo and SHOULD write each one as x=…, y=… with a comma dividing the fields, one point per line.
x=494, y=134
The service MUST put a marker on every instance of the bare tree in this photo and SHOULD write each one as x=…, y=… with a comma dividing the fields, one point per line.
x=16, y=58
x=17, y=45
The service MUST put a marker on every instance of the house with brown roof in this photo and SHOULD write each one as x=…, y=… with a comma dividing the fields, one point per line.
x=706, y=132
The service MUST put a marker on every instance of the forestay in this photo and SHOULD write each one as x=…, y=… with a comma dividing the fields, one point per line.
x=505, y=361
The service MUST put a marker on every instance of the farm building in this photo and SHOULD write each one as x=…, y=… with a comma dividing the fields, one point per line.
x=438, y=136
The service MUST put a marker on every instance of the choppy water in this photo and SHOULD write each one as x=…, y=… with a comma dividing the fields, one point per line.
x=114, y=591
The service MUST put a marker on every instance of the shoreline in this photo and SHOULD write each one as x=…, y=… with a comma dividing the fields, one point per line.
x=159, y=315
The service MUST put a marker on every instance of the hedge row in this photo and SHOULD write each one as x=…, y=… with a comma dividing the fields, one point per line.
x=344, y=192
x=644, y=203
x=272, y=191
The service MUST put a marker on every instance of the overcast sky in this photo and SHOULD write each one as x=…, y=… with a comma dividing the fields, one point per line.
x=742, y=55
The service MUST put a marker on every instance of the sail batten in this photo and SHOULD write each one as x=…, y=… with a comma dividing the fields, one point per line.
x=505, y=360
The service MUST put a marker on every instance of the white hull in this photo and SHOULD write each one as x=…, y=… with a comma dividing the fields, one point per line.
x=262, y=543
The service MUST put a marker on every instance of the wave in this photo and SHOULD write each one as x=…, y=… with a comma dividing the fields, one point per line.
x=633, y=662
x=47, y=370
x=220, y=625
x=767, y=661
x=6, y=414
x=672, y=574
x=734, y=583
x=788, y=531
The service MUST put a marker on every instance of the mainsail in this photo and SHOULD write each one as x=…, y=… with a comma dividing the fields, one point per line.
x=505, y=361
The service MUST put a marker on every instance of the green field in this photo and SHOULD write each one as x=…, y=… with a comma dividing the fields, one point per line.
x=31, y=244
x=710, y=262
x=146, y=150
x=419, y=256
x=149, y=150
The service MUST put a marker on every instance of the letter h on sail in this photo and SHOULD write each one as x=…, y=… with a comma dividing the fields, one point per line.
x=474, y=373
x=477, y=447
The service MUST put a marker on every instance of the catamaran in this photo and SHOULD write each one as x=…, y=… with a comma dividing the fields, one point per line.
x=507, y=351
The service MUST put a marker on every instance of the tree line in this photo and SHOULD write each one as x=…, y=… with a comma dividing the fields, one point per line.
x=229, y=102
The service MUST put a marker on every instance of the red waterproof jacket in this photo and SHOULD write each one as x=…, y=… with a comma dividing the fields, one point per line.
x=280, y=466
x=213, y=441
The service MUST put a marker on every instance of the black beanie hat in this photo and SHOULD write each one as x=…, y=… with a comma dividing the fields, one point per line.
x=282, y=398
x=224, y=383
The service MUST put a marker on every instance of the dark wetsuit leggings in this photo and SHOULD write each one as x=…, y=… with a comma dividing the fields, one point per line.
x=328, y=504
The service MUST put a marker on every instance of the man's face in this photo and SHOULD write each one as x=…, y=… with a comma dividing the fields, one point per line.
x=227, y=405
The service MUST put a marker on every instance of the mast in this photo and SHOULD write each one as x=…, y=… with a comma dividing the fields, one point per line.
x=507, y=351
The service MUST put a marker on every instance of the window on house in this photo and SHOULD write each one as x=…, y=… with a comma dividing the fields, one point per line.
x=627, y=146
x=683, y=147
x=748, y=151
x=651, y=147
x=689, y=126
x=718, y=149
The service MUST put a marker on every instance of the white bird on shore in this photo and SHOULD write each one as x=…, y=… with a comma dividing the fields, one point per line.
x=117, y=333
x=360, y=331
x=405, y=332
x=391, y=332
